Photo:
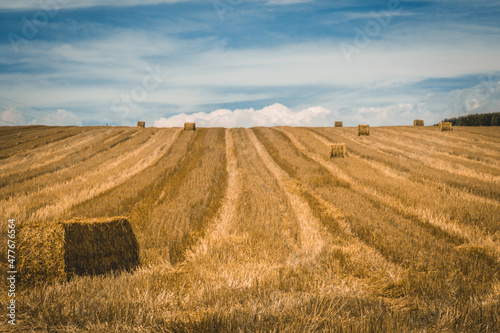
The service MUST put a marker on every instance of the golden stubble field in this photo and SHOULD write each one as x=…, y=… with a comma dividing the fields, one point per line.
x=259, y=230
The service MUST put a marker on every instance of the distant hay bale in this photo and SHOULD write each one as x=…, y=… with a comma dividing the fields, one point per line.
x=338, y=150
x=190, y=127
x=445, y=126
x=418, y=122
x=141, y=124
x=363, y=130
x=339, y=124
x=61, y=250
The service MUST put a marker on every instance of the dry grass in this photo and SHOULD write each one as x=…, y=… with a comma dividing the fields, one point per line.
x=363, y=130
x=259, y=230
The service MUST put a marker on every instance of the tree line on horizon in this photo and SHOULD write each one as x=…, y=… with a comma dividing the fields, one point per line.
x=485, y=119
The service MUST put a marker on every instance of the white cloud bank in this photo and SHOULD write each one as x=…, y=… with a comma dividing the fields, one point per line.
x=13, y=116
x=273, y=115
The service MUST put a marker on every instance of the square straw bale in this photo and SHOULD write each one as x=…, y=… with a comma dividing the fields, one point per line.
x=363, y=130
x=190, y=127
x=445, y=126
x=338, y=150
x=61, y=250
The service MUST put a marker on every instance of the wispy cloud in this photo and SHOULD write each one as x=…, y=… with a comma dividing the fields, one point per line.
x=36, y=4
x=287, y=2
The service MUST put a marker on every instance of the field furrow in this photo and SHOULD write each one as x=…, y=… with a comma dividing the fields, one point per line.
x=430, y=153
x=440, y=207
x=51, y=152
x=397, y=236
x=456, y=147
x=35, y=138
x=412, y=199
x=165, y=153
x=66, y=168
x=403, y=161
x=174, y=213
x=71, y=186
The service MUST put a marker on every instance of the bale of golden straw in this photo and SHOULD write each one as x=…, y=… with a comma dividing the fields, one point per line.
x=190, y=127
x=418, y=122
x=61, y=250
x=445, y=126
x=363, y=130
x=141, y=124
x=338, y=150
x=339, y=124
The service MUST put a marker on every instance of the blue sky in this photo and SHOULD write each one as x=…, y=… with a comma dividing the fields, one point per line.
x=247, y=63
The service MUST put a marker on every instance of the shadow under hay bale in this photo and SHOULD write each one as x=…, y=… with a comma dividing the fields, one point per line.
x=445, y=126
x=141, y=124
x=80, y=247
x=190, y=127
x=418, y=122
x=338, y=150
x=339, y=124
x=363, y=130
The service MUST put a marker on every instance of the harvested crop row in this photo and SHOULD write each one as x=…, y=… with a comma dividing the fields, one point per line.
x=14, y=135
x=443, y=154
x=53, y=200
x=40, y=176
x=400, y=160
x=38, y=138
x=149, y=161
x=483, y=133
x=403, y=241
x=285, y=263
x=428, y=158
x=173, y=214
x=428, y=202
x=461, y=144
x=51, y=152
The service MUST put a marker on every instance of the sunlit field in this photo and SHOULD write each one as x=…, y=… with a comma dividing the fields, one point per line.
x=260, y=230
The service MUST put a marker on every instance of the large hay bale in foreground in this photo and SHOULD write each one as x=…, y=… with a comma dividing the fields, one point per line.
x=445, y=126
x=141, y=124
x=61, y=250
x=190, y=126
x=339, y=124
x=363, y=130
x=338, y=150
x=418, y=122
